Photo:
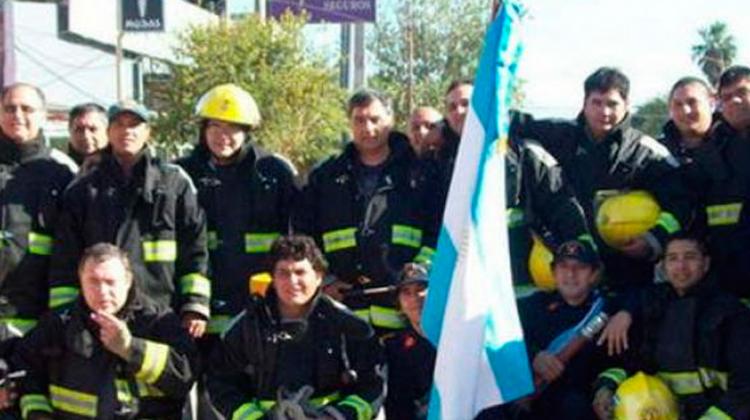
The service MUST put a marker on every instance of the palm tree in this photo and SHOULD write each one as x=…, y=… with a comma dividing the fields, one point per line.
x=716, y=51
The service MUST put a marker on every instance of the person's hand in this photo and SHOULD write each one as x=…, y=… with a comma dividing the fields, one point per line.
x=603, y=403
x=194, y=323
x=637, y=248
x=615, y=333
x=113, y=333
x=8, y=396
x=336, y=289
x=547, y=366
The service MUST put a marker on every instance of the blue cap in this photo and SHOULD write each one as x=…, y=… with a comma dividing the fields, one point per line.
x=132, y=107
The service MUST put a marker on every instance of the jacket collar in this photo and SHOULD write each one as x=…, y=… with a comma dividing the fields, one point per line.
x=617, y=134
x=10, y=152
x=146, y=172
x=400, y=150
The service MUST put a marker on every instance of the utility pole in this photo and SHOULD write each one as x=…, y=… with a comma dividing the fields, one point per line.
x=118, y=51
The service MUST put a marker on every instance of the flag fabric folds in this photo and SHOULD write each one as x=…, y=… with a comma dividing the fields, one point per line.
x=470, y=314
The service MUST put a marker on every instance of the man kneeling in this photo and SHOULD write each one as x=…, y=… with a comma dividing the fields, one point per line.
x=113, y=355
x=297, y=353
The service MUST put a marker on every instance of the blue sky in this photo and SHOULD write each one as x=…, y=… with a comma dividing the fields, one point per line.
x=649, y=40
x=566, y=40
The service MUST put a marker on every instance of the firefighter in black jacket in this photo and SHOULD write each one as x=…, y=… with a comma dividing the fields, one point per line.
x=245, y=192
x=372, y=209
x=410, y=356
x=723, y=165
x=538, y=199
x=688, y=135
x=600, y=152
x=297, y=352
x=112, y=356
x=144, y=206
x=692, y=335
x=32, y=181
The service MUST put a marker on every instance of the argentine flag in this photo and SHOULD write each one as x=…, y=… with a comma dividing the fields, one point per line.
x=470, y=314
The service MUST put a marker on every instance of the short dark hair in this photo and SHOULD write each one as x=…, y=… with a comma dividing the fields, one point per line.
x=297, y=248
x=689, y=80
x=101, y=252
x=85, y=108
x=606, y=78
x=13, y=86
x=458, y=82
x=732, y=75
x=687, y=235
x=366, y=97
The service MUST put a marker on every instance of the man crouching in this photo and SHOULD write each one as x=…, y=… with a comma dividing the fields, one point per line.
x=297, y=353
x=112, y=356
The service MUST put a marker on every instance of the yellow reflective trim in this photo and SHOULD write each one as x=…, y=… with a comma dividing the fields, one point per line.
x=146, y=390
x=247, y=411
x=406, y=235
x=212, y=240
x=337, y=240
x=724, y=214
x=615, y=375
x=363, y=314
x=383, y=317
x=589, y=240
x=515, y=217
x=218, y=324
x=40, y=244
x=425, y=255
x=667, y=221
x=18, y=326
x=154, y=361
x=682, y=383
x=195, y=284
x=315, y=402
x=59, y=296
x=715, y=413
x=362, y=407
x=123, y=391
x=71, y=401
x=259, y=242
x=164, y=250
x=34, y=402
x=714, y=378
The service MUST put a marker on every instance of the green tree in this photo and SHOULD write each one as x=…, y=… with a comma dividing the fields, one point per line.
x=440, y=38
x=298, y=95
x=716, y=51
x=651, y=116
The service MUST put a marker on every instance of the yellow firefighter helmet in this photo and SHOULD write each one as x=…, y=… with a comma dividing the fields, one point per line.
x=230, y=103
x=540, y=265
x=645, y=397
x=623, y=217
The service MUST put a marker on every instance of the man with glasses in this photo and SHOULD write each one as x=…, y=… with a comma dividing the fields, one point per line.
x=32, y=179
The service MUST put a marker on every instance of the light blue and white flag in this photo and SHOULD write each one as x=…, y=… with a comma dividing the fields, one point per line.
x=470, y=313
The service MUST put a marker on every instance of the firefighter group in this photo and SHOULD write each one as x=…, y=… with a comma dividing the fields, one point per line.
x=225, y=285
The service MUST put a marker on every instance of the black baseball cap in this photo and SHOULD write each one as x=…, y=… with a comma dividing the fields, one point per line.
x=578, y=251
x=412, y=273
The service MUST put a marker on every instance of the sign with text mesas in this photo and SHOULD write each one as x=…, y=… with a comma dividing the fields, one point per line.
x=142, y=15
x=330, y=11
